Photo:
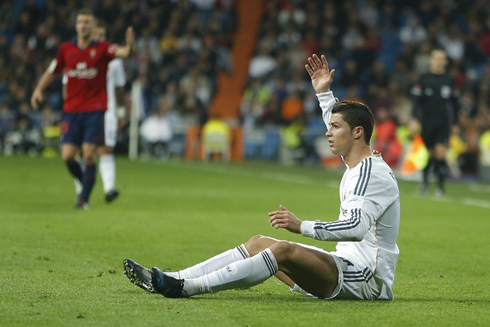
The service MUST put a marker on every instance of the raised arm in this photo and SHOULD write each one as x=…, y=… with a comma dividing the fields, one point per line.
x=321, y=76
x=127, y=50
x=321, y=79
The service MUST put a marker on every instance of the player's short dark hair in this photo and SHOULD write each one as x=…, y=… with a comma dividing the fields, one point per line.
x=356, y=114
x=86, y=11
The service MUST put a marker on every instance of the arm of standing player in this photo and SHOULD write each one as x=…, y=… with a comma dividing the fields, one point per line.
x=37, y=95
x=456, y=107
x=416, y=94
x=321, y=79
x=127, y=50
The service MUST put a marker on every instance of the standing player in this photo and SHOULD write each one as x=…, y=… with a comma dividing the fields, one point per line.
x=362, y=267
x=85, y=62
x=436, y=107
x=116, y=80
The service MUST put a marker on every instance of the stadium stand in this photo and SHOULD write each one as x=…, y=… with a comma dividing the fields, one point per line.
x=243, y=61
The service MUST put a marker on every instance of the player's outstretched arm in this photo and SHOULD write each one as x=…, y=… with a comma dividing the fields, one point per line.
x=283, y=218
x=321, y=76
x=37, y=95
x=127, y=50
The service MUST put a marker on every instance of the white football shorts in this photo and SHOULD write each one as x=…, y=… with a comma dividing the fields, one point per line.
x=355, y=282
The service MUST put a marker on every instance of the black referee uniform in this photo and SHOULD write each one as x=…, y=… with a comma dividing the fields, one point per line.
x=436, y=107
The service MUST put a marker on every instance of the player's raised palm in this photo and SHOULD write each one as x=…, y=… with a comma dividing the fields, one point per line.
x=321, y=76
x=130, y=36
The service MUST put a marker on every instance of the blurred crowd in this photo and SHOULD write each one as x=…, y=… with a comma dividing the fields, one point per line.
x=181, y=46
x=379, y=50
x=378, y=47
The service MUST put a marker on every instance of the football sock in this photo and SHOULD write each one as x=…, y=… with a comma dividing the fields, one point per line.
x=75, y=170
x=88, y=182
x=107, y=167
x=243, y=273
x=213, y=264
x=427, y=170
x=441, y=171
x=298, y=289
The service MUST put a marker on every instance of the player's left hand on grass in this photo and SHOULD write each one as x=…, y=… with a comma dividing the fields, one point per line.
x=283, y=218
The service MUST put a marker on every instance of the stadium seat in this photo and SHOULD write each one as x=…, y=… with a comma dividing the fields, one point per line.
x=272, y=141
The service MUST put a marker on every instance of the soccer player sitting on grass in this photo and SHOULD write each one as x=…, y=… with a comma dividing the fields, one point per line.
x=363, y=265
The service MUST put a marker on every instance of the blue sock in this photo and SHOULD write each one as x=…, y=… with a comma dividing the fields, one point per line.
x=88, y=182
x=75, y=170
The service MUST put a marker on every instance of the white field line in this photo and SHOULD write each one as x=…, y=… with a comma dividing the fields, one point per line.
x=305, y=180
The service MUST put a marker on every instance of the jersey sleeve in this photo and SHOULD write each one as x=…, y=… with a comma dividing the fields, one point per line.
x=119, y=75
x=455, y=102
x=58, y=64
x=416, y=93
x=327, y=101
x=365, y=205
x=110, y=50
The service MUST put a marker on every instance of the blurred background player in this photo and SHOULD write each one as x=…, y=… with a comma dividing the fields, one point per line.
x=116, y=80
x=85, y=62
x=436, y=107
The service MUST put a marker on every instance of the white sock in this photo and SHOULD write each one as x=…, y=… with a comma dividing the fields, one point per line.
x=107, y=167
x=78, y=186
x=298, y=289
x=213, y=264
x=242, y=273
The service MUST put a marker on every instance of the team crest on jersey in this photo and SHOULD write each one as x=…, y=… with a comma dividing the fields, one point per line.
x=93, y=52
x=445, y=92
x=113, y=48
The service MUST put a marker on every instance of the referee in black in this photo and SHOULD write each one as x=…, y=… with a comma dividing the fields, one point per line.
x=435, y=106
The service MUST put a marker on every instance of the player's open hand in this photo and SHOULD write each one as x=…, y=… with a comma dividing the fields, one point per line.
x=321, y=76
x=130, y=36
x=36, y=98
x=283, y=218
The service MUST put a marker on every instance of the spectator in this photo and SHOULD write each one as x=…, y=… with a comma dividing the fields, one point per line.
x=156, y=130
x=386, y=141
x=452, y=42
x=413, y=32
x=261, y=64
x=292, y=107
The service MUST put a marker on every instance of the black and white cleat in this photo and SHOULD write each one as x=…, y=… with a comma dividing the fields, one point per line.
x=138, y=275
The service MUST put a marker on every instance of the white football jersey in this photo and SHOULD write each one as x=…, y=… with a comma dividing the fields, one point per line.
x=369, y=218
x=115, y=78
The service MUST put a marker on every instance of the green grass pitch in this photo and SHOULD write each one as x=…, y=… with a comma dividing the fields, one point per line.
x=62, y=267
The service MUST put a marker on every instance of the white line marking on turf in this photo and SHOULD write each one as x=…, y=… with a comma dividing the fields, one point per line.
x=305, y=180
x=476, y=203
x=266, y=174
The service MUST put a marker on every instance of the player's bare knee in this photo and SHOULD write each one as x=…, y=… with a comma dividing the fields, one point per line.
x=283, y=250
x=104, y=150
x=253, y=245
x=89, y=159
x=68, y=158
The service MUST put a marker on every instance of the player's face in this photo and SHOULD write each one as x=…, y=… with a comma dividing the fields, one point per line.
x=438, y=60
x=99, y=33
x=340, y=136
x=85, y=25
